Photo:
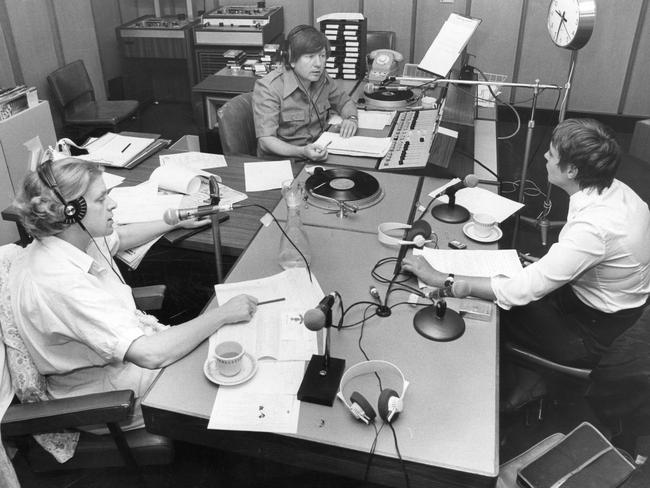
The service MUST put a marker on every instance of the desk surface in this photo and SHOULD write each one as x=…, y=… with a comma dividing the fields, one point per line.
x=449, y=429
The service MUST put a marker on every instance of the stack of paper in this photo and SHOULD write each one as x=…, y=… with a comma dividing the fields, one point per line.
x=368, y=147
x=121, y=151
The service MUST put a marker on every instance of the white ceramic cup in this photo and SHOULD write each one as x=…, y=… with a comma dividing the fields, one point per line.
x=484, y=224
x=229, y=356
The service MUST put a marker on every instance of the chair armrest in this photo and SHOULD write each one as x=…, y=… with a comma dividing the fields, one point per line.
x=149, y=297
x=53, y=415
x=532, y=358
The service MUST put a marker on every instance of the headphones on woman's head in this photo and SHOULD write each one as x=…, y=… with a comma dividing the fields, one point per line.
x=418, y=234
x=74, y=210
x=389, y=403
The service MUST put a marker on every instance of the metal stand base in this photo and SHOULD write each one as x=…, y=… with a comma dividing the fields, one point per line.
x=453, y=215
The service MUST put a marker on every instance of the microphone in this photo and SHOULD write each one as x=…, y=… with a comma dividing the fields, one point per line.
x=173, y=216
x=316, y=318
x=372, y=88
x=450, y=212
x=470, y=181
x=458, y=289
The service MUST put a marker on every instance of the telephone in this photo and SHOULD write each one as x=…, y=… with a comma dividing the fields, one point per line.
x=384, y=64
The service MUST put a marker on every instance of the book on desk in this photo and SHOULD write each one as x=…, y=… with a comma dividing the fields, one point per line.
x=124, y=150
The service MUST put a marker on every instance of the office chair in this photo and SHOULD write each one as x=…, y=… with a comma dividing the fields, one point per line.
x=47, y=418
x=73, y=92
x=380, y=40
x=237, y=127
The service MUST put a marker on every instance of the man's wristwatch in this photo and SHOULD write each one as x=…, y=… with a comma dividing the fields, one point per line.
x=353, y=117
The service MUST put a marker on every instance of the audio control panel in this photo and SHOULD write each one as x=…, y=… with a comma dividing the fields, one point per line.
x=411, y=139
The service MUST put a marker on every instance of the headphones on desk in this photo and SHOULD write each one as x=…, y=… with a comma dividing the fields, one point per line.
x=389, y=403
x=74, y=210
x=418, y=233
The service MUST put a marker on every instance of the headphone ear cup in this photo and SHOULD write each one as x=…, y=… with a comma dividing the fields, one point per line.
x=419, y=228
x=360, y=400
x=383, y=405
x=75, y=210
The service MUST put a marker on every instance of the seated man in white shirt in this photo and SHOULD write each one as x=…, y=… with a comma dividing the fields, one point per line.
x=594, y=282
x=74, y=312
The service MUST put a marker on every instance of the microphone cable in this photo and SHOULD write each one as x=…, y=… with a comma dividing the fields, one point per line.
x=283, y=232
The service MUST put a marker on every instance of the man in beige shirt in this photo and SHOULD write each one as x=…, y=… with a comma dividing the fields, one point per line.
x=292, y=103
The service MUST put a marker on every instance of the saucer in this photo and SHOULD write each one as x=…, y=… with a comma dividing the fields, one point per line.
x=493, y=236
x=248, y=369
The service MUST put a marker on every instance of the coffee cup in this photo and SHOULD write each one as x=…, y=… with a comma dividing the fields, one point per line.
x=484, y=224
x=229, y=356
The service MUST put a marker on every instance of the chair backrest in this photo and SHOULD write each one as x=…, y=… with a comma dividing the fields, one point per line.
x=237, y=127
x=70, y=84
x=28, y=384
x=380, y=40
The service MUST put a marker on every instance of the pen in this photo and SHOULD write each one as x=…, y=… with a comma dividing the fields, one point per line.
x=325, y=146
x=126, y=147
x=271, y=301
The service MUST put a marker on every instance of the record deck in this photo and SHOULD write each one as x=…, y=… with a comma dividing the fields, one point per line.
x=387, y=99
x=334, y=188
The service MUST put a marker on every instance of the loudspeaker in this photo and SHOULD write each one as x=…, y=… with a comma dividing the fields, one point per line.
x=418, y=234
x=74, y=210
x=389, y=403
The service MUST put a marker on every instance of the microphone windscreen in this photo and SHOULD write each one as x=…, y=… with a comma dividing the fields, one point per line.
x=471, y=181
x=314, y=319
x=461, y=289
x=171, y=217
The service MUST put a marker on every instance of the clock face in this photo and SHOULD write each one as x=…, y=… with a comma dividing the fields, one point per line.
x=571, y=22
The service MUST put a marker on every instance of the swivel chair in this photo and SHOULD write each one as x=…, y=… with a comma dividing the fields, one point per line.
x=73, y=93
x=237, y=126
x=21, y=421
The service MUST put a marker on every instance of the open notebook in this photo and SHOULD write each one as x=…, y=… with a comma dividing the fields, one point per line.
x=370, y=147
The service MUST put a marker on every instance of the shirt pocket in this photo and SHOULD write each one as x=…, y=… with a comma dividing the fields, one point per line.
x=294, y=117
x=323, y=107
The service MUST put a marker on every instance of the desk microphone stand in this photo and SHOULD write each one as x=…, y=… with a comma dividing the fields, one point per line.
x=323, y=373
x=216, y=233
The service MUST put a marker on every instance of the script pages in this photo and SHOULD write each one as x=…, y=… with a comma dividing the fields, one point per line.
x=278, y=339
x=448, y=44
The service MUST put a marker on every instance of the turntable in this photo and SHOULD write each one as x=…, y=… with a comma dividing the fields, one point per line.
x=342, y=190
x=387, y=98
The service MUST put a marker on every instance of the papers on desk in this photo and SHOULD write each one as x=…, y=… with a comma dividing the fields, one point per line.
x=276, y=331
x=267, y=175
x=141, y=203
x=471, y=262
x=368, y=119
x=369, y=147
x=134, y=256
x=116, y=149
x=268, y=402
x=480, y=200
x=176, y=178
x=194, y=161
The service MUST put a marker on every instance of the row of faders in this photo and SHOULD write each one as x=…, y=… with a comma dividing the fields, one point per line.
x=412, y=138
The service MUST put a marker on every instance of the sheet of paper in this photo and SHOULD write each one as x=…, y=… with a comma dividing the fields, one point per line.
x=133, y=257
x=176, y=178
x=276, y=330
x=472, y=262
x=448, y=44
x=371, y=147
x=267, y=175
x=480, y=200
x=195, y=161
x=368, y=119
x=115, y=149
x=266, y=403
x=111, y=181
x=141, y=203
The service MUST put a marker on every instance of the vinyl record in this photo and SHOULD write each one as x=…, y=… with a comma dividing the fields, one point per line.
x=389, y=99
x=342, y=184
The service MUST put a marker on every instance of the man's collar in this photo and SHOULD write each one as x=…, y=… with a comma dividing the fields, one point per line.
x=67, y=251
x=292, y=84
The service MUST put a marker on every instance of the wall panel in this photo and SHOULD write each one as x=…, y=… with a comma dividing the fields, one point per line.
x=106, y=15
x=296, y=12
x=78, y=39
x=7, y=77
x=382, y=15
x=637, y=101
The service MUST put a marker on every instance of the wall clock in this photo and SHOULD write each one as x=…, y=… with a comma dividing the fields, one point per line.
x=571, y=22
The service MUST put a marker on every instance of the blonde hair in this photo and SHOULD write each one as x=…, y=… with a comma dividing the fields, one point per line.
x=40, y=210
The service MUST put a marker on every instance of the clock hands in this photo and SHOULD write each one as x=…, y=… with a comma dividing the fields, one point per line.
x=562, y=23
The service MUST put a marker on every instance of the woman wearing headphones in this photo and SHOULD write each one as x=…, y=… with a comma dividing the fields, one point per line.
x=292, y=103
x=74, y=312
